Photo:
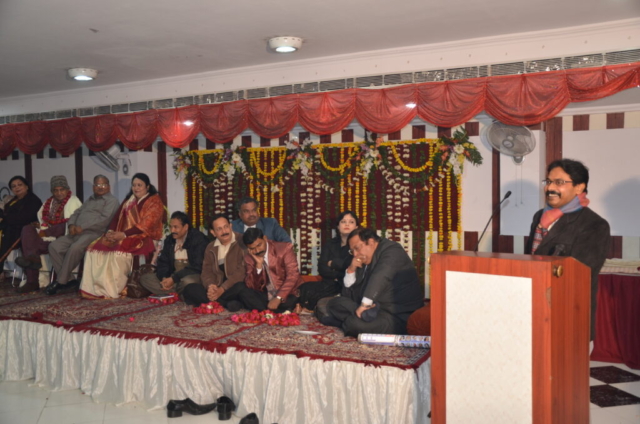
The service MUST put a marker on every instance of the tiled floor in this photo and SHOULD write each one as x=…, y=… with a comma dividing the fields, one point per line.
x=20, y=403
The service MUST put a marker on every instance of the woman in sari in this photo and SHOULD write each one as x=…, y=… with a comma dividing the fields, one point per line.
x=138, y=222
x=19, y=211
x=334, y=260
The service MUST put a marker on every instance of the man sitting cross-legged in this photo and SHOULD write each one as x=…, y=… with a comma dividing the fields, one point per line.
x=381, y=288
x=222, y=270
x=272, y=276
x=180, y=262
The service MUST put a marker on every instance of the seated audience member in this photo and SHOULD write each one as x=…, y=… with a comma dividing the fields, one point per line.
x=272, y=276
x=180, y=262
x=21, y=210
x=222, y=270
x=250, y=218
x=86, y=224
x=52, y=223
x=334, y=260
x=381, y=288
x=132, y=232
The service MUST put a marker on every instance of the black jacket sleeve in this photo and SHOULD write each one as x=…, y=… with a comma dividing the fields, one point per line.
x=196, y=245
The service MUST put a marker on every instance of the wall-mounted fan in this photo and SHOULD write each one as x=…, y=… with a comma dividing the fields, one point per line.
x=113, y=160
x=510, y=140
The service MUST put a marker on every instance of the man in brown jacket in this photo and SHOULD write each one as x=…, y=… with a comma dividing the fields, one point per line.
x=272, y=275
x=222, y=269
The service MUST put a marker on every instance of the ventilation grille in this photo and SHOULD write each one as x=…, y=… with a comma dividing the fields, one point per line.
x=507, y=68
x=617, y=58
x=542, y=65
x=584, y=61
x=256, y=93
x=280, y=90
x=370, y=81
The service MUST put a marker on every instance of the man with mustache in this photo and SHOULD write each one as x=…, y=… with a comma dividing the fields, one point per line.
x=566, y=226
x=180, y=262
x=223, y=268
x=250, y=218
x=272, y=275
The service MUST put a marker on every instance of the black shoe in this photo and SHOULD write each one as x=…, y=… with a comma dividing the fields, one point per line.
x=53, y=288
x=234, y=305
x=72, y=284
x=24, y=262
x=252, y=418
x=175, y=408
x=225, y=408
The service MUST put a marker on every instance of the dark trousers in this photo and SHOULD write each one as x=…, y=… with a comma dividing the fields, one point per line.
x=343, y=310
x=312, y=292
x=32, y=246
x=196, y=294
x=253, y=299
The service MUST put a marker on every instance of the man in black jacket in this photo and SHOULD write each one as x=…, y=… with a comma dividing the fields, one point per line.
x=180, y=262
x=566, y=226
x=381, y=288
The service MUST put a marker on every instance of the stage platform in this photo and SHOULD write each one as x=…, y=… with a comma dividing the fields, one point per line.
x=128, y=350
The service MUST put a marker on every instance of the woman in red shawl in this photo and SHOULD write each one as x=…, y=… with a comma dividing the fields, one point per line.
x=138, y=222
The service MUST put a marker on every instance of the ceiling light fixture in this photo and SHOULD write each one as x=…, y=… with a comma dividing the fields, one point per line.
x=82, y=74
x=285, y=44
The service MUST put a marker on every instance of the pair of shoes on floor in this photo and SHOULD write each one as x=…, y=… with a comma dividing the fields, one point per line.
x=252, y=418
x=28, y=287
x=54, y=287
x=31, y=262
x=224, y=405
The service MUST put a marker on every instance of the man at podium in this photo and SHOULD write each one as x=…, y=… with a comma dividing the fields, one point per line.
x=566, y=226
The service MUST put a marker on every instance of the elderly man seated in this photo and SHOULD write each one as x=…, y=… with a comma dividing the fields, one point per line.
x=381, y=288
x=272, y=275
x=52, y=223
x=250, y=218
x=86, y=224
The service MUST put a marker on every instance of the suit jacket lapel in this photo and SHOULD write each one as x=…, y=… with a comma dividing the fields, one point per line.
x=558, y=228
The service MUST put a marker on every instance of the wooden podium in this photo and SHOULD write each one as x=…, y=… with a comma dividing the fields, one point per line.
x=510, y=339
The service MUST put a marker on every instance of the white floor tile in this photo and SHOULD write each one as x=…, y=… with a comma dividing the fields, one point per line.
x=630, y=412
x=21, y=417
x=73, y=414
x=67, y=397
x=593, y=405
x=112, y=412
x=632, y=387
x=34, y=399
x=607, y=416
x=594, y=382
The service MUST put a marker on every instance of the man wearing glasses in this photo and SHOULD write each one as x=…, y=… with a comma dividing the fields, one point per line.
x=85, y=225
x=381, y=288
x=566, y=226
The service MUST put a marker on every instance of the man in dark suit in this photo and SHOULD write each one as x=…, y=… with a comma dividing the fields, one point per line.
x=272, y=275
x=180, y=262
x=381, y=288
x=250, y=218
x=566, y=226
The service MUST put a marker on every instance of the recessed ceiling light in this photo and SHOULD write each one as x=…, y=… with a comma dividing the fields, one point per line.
x=82, y=74
x=285, y=44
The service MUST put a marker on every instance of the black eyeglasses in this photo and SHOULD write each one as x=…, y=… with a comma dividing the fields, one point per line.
x=557, y=182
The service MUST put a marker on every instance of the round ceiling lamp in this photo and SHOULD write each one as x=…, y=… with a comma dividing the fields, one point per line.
x=285, y=44
x=82, y=74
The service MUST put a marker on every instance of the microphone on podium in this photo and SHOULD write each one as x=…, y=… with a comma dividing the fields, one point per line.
x=495, y=211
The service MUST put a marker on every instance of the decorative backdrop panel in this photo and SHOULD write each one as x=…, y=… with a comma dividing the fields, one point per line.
x=407, y=190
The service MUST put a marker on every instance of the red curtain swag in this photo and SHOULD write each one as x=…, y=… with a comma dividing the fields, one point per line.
x=515, y=99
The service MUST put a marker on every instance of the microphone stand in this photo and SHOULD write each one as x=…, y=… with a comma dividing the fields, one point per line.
x=495, y=211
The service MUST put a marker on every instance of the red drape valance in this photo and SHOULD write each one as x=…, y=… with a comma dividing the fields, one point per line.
x=514, y=99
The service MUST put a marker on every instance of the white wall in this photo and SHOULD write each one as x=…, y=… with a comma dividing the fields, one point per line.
x=614, y=174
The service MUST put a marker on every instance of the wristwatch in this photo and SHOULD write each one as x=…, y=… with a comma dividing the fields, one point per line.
x=280, y=299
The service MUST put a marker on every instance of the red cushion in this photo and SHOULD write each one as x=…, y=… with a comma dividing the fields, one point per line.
x=419, y=323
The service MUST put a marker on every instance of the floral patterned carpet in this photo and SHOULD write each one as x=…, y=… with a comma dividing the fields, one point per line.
x=177, y=323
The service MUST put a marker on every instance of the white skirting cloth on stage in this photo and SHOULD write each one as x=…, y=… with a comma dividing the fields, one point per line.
x=279, y=388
